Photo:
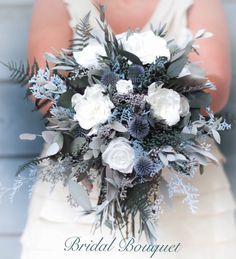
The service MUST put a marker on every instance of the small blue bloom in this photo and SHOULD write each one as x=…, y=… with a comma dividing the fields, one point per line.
x=109, y=79
x=139, y=127
x=144, y=167
x=135, y=74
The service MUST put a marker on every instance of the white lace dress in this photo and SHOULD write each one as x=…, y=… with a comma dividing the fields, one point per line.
x=208, y=234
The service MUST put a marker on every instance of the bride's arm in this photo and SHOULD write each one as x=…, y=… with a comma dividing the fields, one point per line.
x=215, y=51
x=49, y=30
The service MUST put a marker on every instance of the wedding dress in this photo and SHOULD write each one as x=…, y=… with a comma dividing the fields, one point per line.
x=208, y=234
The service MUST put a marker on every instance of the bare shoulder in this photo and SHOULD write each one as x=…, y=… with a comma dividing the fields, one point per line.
x=49, y=27
x=215, y=51
x=50, y=13
x=208, y=13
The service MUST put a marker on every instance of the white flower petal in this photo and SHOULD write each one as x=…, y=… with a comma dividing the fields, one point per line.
x=92, y=108
x=124, y=86
x=88, y=57
x=119, y=155
x=165, y=104
x=145, y=45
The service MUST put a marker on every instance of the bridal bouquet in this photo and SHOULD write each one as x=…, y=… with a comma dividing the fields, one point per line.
x=126, y=118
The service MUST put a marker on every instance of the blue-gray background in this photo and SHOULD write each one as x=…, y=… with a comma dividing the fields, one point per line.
x=16, y=117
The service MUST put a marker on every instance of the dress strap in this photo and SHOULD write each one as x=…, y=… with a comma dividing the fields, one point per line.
x=78, y=9
x=173, y=13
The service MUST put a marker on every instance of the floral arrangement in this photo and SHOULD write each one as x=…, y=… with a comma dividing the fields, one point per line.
x=125, y=118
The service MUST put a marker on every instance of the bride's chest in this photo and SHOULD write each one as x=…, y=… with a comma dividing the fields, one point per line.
x=124, y=14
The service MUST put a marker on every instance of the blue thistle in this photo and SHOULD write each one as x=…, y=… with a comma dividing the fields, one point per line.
x=139, y=127
x=144, y=167
x=135, y=74
x=109, y=79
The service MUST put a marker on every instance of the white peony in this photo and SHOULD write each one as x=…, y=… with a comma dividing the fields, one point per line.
x=119, y=155
x=88, y=57
x=166, y=104
x=124, y=86
x=91, y=108
x=145, y=45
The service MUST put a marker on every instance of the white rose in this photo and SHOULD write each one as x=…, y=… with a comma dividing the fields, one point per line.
x=119, y=155
x=91, y=108
x=165, y=104
x=145, y=45
x=124, y=86
x=88, y=57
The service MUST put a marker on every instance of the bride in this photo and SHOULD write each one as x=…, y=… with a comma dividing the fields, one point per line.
x=208, y=234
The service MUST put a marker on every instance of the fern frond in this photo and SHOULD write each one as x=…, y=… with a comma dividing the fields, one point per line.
x=21, y=73
x=83, y=32
x=189, y=83
x=32, y=163
x=137, y=201
x=160, y=31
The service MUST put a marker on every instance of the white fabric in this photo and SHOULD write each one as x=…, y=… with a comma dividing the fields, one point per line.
x=170, y=12
x=208, y=234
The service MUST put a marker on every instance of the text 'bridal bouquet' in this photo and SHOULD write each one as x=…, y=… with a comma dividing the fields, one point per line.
x=126, y=118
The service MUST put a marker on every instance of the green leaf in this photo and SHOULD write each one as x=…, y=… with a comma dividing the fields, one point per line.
x=187, y=136
x=130, y=56
x=63, y=67
x=176, y=67
x=94, y=75
x=80, y=195
x=176, y=53
x=199, y=100
x=204, y=153
x=189, y=47
x=51, y=58
x=201, y=168
x=216, y=135
x=112, y=190
x=152, y=231
x=119, y=127
x=165, y=192
x=55, y=141
x=81, y=177
x=65, y=99
x=96, y=143
x=21, y=73
x=83, y=33
x=27, y=136
x=77, y=144
x=30, y=164
x=184, y=122
x=188, y=83
x=79, y=84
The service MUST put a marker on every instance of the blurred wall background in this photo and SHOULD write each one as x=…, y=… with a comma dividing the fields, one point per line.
x=16, y=118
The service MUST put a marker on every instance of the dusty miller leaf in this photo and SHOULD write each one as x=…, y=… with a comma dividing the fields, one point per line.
x=27, y=136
